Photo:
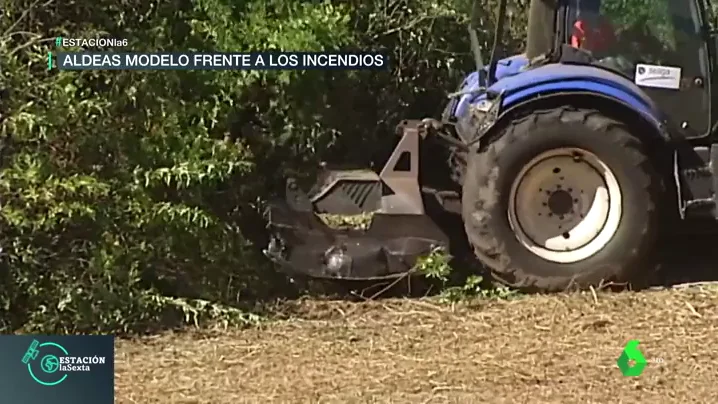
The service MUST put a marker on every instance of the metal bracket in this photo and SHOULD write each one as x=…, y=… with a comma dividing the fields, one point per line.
x=401, y=173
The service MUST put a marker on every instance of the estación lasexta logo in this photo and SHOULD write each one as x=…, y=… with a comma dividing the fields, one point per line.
x=47, y=371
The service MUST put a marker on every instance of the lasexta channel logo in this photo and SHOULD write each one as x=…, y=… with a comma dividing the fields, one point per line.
x=631, y=353
x=50, y=364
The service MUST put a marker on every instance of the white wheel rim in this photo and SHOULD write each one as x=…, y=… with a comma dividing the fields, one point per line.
x=565, y=205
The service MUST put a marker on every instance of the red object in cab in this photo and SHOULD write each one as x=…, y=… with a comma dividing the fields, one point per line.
x=593, y=38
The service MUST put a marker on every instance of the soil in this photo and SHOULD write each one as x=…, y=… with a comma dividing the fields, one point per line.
x=533, y=349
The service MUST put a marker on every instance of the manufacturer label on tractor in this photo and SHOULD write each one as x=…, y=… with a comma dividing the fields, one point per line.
x=658, y=76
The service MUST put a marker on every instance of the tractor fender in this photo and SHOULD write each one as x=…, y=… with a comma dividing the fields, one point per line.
x=540, y=84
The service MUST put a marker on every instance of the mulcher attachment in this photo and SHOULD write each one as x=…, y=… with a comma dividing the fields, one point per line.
x=357, y=224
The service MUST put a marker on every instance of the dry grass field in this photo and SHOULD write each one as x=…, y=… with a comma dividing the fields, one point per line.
x=534, y=349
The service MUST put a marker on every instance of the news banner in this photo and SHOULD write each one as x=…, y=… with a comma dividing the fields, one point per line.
x=88, y=60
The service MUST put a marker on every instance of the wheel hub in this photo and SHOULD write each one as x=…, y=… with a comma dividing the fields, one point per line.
x=560, y=202
x=565, y=205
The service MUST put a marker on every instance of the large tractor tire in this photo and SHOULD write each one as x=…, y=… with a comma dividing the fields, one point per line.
x=563, y=198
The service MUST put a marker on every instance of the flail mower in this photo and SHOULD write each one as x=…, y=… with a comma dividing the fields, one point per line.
x=565, y=163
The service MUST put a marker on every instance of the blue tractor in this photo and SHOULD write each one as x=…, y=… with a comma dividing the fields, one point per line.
x=566, y=164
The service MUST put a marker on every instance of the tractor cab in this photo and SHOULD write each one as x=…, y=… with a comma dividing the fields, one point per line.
x=662, y=48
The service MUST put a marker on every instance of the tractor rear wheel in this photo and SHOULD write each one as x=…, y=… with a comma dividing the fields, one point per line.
x=563, y=198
